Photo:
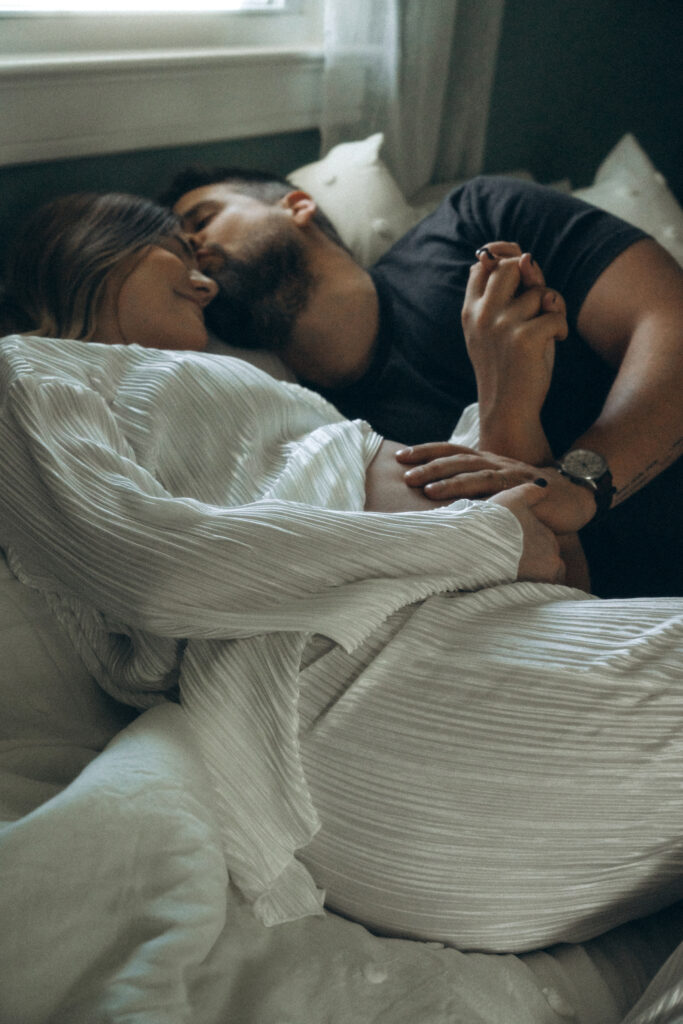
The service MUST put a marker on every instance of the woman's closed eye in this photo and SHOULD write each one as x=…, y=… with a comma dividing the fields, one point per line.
x=182, y=247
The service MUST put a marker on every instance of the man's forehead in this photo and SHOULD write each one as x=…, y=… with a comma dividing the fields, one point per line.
x=219, y=192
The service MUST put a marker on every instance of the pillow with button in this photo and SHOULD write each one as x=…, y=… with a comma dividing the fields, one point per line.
x=356, y=190
x=628, y=185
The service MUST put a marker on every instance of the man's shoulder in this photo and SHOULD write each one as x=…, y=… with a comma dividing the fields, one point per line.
x=473, y=210
x=494, y=198
x=495, y=188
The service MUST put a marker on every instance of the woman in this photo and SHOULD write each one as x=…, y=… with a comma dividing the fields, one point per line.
x=454, y=754
x=65, y=273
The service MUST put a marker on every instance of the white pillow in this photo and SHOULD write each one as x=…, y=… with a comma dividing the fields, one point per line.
x=628, y=185
x=358, y=193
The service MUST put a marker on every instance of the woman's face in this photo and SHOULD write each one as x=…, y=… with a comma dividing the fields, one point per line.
x=160, y=302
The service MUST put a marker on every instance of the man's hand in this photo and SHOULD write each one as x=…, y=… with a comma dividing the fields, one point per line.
x=540, y=561
x=448, y=471
x=511, y=322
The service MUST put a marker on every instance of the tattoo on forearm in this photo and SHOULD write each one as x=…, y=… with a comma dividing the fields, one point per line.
x=650, y=472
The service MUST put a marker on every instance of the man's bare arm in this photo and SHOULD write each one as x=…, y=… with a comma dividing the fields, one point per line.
x=633, y=318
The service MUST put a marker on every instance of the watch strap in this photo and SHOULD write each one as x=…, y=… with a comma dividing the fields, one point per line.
x=603, y=489
x=604, y=492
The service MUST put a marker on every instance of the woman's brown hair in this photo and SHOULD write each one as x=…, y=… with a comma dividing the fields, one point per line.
x=59, y=265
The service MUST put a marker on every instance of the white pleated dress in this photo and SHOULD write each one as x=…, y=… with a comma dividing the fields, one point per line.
x=500, y=770
x=385, y=713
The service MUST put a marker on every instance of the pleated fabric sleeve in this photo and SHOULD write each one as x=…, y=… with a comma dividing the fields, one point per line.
x=166, y=501
x=77, y=493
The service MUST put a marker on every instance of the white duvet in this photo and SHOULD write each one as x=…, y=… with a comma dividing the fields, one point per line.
x=116, y=907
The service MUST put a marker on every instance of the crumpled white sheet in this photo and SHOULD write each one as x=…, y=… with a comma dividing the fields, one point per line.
x=115, y=888
x=115, y=907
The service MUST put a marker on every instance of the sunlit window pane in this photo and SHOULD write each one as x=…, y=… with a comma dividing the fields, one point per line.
x=117, y=6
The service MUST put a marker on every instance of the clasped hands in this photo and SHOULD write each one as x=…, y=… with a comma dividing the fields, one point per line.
x=511, y=322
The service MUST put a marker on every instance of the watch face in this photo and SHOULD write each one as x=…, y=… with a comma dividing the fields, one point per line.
x=583, y=463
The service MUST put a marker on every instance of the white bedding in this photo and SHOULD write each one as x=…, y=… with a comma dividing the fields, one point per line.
x=114, y=909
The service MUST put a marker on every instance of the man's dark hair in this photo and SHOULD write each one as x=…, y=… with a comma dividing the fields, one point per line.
x=262, y=185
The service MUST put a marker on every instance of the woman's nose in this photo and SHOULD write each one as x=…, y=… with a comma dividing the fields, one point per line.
x=205, y=286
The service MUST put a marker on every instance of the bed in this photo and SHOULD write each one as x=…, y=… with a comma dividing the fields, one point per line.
x=115, y=901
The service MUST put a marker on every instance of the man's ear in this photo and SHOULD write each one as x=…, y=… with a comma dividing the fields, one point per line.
x=301, y=206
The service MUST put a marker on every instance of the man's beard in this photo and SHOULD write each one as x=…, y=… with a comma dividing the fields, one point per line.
x=260, y=293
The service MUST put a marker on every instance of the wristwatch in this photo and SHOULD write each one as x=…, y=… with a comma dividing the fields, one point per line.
x=589, y=469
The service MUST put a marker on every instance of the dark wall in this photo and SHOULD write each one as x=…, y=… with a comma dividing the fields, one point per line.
x=144, y=172
x=574, y=75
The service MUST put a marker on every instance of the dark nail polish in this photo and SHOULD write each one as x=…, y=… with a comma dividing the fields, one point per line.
x=541, y=482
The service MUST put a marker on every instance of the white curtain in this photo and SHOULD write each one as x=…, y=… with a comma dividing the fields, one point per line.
x=420, y=71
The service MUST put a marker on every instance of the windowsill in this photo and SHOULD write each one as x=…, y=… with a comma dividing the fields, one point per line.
x=139, y=60
x=78, y=104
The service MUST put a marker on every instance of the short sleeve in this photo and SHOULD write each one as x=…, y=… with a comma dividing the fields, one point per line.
x=572, y=241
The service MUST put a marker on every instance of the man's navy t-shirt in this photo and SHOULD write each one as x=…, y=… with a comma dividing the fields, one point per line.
x=421, y=379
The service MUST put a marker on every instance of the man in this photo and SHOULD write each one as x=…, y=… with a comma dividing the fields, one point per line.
x=387, y=345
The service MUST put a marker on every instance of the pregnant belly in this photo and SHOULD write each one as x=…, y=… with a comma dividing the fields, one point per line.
x=385, y=488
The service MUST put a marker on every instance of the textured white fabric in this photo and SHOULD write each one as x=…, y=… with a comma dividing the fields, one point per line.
x=115, y=909
x=158, y=498
x=114, y=890
x=500, y=770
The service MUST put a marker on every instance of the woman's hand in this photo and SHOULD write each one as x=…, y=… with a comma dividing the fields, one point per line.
x=511, y=322
x=541, y=560
x=546, y=558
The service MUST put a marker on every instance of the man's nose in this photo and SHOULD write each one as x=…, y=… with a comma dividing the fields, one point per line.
x=205, y=287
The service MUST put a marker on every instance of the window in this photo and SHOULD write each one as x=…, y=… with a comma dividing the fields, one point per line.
x=73, y=83
x=112, y=6
x=65, y=26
